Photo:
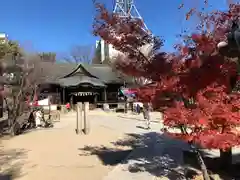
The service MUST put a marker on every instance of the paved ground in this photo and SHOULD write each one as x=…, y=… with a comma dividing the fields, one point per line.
x=60, y=154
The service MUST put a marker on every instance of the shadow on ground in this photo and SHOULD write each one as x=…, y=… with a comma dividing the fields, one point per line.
x=137, y=119
x=214, y=165
x=142, y=127
x=159, y=155
x=108, y=156
x=11, y=162
x=155, y=153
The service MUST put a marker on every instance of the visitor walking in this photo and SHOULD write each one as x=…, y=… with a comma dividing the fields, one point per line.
x=138, y=109
x=146, y=113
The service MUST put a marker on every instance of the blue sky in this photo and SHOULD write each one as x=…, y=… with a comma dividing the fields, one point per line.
x=53, y=25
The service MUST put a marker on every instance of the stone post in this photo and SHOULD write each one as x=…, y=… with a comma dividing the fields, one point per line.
x=64, y=109
x=105, y=104
x=86, y=128
x=79, y=118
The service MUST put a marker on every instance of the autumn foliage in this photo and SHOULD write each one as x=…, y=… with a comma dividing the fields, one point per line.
x=193, y=86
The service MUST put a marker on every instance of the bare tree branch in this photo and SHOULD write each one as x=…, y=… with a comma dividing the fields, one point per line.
x=80, y=54
x=22, y=77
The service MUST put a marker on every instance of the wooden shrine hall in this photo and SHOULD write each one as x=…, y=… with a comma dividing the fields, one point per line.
x=96, y=83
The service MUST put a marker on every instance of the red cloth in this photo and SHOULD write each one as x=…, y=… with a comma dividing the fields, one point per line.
x=35, y=103
x=35, y=100
x=68, y=105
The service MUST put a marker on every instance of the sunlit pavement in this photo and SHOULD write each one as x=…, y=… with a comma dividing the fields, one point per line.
x=154, y=156
x=160, y=158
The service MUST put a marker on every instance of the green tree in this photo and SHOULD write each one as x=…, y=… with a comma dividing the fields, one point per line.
x=10, y=49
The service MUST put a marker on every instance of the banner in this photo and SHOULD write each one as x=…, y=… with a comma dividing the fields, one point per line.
x=127, y=91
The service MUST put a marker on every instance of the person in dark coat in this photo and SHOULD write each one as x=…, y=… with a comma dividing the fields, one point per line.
x=138, y=109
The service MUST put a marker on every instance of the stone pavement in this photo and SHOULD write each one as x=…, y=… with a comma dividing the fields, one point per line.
x=158, y=158
x=58, y=153
x=154, y=154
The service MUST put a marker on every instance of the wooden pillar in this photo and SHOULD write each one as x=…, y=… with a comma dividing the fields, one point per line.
x=105, y=95
x=95, y=98
x=86, y=128
x=72, y=103
x=49, y=107
x=63, y=95
x=79, y=118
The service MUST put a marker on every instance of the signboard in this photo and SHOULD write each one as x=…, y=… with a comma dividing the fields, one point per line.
x=84, y=93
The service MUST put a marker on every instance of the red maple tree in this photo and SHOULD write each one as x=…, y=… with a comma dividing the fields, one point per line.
x=193, y=86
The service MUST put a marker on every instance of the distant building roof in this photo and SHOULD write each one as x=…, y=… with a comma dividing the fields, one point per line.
x=103, y=72
x=52, y=72
x=67, y=74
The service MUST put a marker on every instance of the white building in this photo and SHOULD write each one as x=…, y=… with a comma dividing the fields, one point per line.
x=3, y=38
x=105, y=52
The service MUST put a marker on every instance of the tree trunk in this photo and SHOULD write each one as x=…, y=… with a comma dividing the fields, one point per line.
x=15, y=129
x=226, y=158
x=202, y=165
x=194, y=157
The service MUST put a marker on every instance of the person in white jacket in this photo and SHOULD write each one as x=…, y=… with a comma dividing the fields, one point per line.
x=146, y=113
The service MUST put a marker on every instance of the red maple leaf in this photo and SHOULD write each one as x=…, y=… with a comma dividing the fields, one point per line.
x=203, y=121
x=192, y=86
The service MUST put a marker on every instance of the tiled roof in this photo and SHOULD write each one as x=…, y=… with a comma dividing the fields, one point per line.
x=80, y=80
x=53, y=72
x=103, y=72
